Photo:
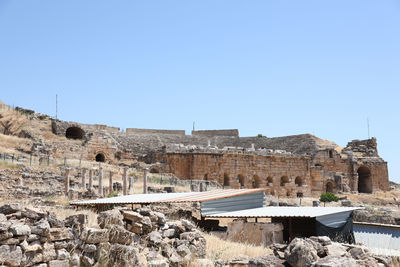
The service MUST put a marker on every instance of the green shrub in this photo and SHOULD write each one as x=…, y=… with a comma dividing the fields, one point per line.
x=328, y=197
x=113, y=194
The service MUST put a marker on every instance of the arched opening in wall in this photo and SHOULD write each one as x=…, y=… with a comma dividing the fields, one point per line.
x=74, y=133
x=364, y=180
x=298, y=181
x=100, y=157
x=299, y=194
x=226, y=180
x=256, y=181
x=205, y=177
x=270, y=181
x=329, y=187
x=154, y=170
x=331, y=154
x=241, y=180
x=284, y=180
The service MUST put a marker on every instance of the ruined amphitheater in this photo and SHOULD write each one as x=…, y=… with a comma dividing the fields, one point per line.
x=290, y=166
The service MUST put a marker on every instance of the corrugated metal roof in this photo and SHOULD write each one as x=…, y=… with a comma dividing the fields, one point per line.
x=168, y=197
x=267, y=212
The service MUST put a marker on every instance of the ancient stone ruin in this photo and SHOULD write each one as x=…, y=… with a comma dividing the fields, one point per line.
x=292, y=166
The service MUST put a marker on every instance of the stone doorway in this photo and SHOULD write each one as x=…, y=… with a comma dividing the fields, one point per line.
x=364, y=180
x=329, y=187
x=74, y=133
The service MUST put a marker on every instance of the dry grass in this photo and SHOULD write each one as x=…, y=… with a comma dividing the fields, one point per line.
x=227, y=250
x=61, y=214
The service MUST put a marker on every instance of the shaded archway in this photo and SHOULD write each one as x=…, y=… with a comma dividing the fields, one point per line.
x=256, y=181
x=100, y=157
x=298, y=181
x=74, y=133
x=205, y=177
x=364, y=180
x=329, y=187
x=241, y=180
x=226, y=180
x=270, y=181
x=284, y=180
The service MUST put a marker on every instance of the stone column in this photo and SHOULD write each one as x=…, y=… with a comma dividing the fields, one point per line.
x=131, y=185
x=124, y=184
x=100, y=181
x=83, y=173
x=90, y=179
x=66, y=181
x=145, y=181
x=111, y=182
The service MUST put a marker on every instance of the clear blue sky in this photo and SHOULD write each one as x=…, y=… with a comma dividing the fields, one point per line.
x=271, y=67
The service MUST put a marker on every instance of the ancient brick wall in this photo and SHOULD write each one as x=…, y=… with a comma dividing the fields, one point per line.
x=285, y=176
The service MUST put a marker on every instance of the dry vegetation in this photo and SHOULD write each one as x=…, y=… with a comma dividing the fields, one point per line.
x=222, y=249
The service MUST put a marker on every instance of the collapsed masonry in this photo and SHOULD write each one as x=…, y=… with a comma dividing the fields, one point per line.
x=299, y=165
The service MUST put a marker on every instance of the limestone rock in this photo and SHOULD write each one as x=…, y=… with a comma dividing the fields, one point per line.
x=132, y=216
x=335, y=249
x=58, y=234
x=335, y=261
x=10, y=255
x=63, y=254
x=41, y=228
x=155, y=237
x=265, y=261
x=118, y=234
x=10, y=208
x=109, y=218
x=158, y=263
x=300, y=253
x=94, y=236
x=49, y=252
x=59, y=263
x=20, y=229
x=121, y=255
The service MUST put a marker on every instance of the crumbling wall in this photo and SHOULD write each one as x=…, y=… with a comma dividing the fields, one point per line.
x=212, y=133
x=154, y=131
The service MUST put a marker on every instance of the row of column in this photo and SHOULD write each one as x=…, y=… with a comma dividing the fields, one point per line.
x=100, y=184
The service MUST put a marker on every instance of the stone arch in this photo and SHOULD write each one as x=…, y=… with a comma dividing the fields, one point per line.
x=329, y=187
x=74, y=133
x=364, y=180
x=298, y=181
x=205, y=177
x=284, y=180
x=256, y=182
x=270, y=180
x=241, y=180
x=100, y=157
x=226, y=179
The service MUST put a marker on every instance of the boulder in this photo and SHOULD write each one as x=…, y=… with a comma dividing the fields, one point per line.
x=58, y=234
x=110, y=218
x=76, y=220
x=265, y=261
x=132, y=216
x=335, y=261
x=118, y=234
x=121, y=255
x=49, y=252
x=41, y=228
x=11, y=256
x=20, y=230
x=155, y=238
x=63, y=254
x=189, y=226
x=158, y=263
x=335, y=249
x=94, y=235
x=300, y=253
x=10, y=208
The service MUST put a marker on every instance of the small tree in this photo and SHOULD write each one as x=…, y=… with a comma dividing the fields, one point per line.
x=328, y=197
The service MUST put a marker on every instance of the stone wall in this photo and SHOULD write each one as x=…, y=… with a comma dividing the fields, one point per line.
x=154, y=131
x=212, y=133
x=247, y=171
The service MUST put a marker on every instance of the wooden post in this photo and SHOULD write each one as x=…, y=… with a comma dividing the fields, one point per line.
x=90, y=179
x=145, y=181
x=66, y=182
x=101, y=182
x=111, y=182
x=124, y=184
x=83, y=173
